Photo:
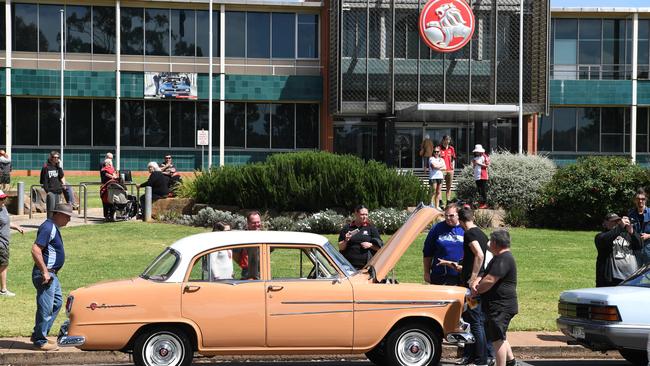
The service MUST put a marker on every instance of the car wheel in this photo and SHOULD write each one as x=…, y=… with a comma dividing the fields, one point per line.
x=634, y=356
x=377, y=355
x=163, y=347
x=413, y=345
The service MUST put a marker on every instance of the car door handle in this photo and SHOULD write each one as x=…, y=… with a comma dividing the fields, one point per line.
x=189, y=288
x=274, y=288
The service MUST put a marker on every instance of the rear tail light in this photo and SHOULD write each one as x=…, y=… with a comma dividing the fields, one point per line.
x=608, y=313
x=68, y=305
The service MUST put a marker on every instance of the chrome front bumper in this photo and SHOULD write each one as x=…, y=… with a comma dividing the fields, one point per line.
x=64, y=340
x=604, y=336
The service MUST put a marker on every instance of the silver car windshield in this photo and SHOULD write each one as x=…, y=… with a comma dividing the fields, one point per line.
x=640, y=278
x=162, y=267
x=340, y=260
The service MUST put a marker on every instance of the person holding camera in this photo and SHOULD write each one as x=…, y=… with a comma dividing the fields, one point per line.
x=640, y=220
x=616, y=245
x=360, y=239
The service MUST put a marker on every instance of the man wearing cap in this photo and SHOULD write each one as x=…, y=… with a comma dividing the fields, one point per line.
x=5, y=226
x=616, y=245
x=49, y=255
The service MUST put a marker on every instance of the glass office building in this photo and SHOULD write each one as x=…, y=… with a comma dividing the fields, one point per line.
x=273, y=86
x=599, y=91
x=388, y=89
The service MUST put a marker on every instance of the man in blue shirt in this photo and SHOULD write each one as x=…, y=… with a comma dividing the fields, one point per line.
x=445, y=241
x=49, y=255
x=640, y=217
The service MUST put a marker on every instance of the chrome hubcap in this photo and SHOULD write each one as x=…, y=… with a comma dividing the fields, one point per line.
x=414, y=348
x=163, y=349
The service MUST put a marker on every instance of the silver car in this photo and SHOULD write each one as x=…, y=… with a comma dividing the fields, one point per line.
x=610, y=318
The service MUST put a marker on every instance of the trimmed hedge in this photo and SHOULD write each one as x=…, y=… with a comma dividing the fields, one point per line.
x=581, y=194
x=306, y=181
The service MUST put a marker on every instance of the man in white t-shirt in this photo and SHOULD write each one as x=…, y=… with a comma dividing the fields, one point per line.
x=436, y=165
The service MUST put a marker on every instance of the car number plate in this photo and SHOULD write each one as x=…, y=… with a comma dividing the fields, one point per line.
x=578, y=332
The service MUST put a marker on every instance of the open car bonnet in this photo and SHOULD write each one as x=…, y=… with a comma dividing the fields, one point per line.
x=386, y=258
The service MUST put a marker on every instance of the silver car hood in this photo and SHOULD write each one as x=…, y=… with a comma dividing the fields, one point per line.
x=603, y=295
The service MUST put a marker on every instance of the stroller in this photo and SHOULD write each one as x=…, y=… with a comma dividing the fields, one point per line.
x=118, y=204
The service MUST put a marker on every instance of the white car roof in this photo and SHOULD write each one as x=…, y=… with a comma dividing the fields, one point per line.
x=192, y=245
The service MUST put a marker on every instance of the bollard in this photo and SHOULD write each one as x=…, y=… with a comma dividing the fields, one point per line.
x=147, y=204
x=20, y=198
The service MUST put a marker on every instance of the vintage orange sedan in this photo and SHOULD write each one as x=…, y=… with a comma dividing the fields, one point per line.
x=263, y=292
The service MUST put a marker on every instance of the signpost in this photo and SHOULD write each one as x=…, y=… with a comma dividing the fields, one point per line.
x=202, y=137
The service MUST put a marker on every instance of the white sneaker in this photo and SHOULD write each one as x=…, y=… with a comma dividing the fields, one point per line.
x=7, y=293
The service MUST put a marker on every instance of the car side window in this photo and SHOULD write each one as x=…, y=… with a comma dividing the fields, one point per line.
x=300, y=263
x=237, y=264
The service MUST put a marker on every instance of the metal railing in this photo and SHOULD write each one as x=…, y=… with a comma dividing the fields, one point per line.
x=83, y=187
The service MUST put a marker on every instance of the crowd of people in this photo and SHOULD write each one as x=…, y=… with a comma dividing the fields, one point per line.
x=439, y=161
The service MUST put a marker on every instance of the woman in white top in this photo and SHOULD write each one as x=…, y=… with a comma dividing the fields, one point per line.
x=436, y=165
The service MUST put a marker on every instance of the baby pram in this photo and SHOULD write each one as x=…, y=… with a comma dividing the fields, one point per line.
x=118, y=204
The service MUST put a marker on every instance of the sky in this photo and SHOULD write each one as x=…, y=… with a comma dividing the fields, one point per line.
x=601, y=3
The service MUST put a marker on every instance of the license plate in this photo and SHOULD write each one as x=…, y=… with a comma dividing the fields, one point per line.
x=578, y=332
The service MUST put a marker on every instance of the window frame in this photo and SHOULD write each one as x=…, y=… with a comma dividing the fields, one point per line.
x=338, y=275
x=197, y=257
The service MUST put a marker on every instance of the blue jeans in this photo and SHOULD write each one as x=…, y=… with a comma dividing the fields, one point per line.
x=49, y=301
x=481, y=349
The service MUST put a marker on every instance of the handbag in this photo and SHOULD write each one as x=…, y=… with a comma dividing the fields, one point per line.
x=421, y=153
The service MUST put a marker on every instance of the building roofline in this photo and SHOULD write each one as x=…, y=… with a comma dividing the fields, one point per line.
x=281, y=3
x=599, y=10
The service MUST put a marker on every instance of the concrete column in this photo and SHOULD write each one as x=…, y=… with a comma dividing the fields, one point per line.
x=20, y=198
x=8, y=115
x=635, y=65
x=146, y=210
x=222, y=84
x=118, y=88
x=210, y=97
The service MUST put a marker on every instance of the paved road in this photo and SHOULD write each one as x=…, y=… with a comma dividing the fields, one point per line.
x=449, y=363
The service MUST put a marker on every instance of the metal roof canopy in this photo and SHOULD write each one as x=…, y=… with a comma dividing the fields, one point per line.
x=432, y=112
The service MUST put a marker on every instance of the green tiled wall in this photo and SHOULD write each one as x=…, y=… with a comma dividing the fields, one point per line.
x=643, y=92
x=77, y=83
x=136, y=160
x=274, y=88
x=586, y=92
x=202, y=85
x=132, y=84
x=3, y=84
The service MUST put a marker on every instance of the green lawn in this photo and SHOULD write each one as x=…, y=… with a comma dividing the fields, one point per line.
x=548, y=262
x=93, y=189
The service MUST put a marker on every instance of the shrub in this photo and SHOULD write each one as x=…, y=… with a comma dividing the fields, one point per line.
x=483, y=218
x=515, y=180
x=306, y=181
x=388, y=220
x=324, y=222
x=581, y=194
x=516, y=217
x=281, y=223
x=208, y=216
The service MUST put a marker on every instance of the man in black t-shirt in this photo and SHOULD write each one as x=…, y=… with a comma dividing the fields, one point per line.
x=359, y=240
x=474, y=249
x=499, y=289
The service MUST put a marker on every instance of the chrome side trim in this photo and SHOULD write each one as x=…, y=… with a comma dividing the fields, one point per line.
x=400, y=308
x=312, y=312
x=406, y=302
x=325, y=302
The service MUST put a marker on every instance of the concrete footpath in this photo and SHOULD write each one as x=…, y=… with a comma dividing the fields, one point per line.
x=526, y=345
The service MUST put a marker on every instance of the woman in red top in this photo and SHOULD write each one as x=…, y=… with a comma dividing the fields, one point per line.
x=448, y=154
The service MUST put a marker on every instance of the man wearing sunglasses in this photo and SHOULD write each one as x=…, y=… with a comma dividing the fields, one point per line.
x=640, y=219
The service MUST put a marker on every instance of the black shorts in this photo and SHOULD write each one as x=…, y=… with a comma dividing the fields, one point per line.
x=5, y=178
x=4, y=255
x=496, y=325
x=435, y=181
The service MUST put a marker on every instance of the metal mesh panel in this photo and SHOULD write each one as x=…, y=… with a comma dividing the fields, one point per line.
x=407, y=49
x=379, y=52
x=482, y=49
x=507, y=73
x=334, y=56
x=354, y=35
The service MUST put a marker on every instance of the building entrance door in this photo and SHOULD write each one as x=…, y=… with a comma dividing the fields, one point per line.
x=409, y=136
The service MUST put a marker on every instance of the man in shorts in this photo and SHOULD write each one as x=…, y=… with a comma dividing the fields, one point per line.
x=498, y=288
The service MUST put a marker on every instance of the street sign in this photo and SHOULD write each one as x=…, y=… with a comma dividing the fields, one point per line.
x=202, y=137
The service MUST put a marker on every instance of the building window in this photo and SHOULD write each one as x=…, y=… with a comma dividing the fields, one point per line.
x=564, y=129
x=643, y=56
x=132, y=24
x=156, y=122
x=132, y=123
x=25, y=27
x=565, y=48
x=258, y=117
x=307, y=126
x=182, y=28
x=588, y=129
x=182, y=124
x=614, y=55
x=203, y=33
x=78, y=28
x=307, y=36
x=235, y=124
x=235, y=34
x=156, y=32
x=104, y=122
x=49, y=28
x=103, y=30
x=282, y=126
x=258, y=38
x=49, y=122
x=2, y=27
x=202, y=120
x=25, y=115
x=78, y=119
x=545, y=134
x=612, y=128
x=284, y=29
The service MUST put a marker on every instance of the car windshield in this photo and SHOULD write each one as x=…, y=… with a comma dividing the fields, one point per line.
x=640, y=278
x=162, y=267
x=340, y=260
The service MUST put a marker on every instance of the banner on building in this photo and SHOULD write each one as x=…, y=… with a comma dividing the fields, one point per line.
x=170, y=85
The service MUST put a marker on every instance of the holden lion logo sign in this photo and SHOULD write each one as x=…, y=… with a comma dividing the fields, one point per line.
x=446, y=25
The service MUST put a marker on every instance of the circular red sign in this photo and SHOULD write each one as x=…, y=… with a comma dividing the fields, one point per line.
x=446, y=25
